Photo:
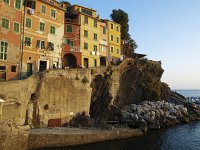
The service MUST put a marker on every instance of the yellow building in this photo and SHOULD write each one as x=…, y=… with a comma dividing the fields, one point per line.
x=89, y=35
x=43, y=36
x=114, y=41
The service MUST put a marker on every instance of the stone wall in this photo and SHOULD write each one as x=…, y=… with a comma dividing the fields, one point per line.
x=60, y=93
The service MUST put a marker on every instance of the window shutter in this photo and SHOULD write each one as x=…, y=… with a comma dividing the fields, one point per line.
x=38, y=44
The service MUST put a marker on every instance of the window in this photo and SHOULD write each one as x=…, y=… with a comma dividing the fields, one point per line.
x=111, y=50
x=85, y=33
x=111, y=26
x=69, y=9
x=117, y=28
x=27, y=41
x=42, y=26
x=69, y=42
x=69, y=28
x=117, y=51
x=51, y=46
x=52, y=29
x=17, y=4
x=111, y=37
x=95, y=36
x=95, y=62
x=95, y=48
x=31, y=4
x=95, y=23
x=86, y=20
x=40, y=44
x=13, y=68
x=43, y=9
x=104, y=30
x=117, y=39
x=53, y=13
x=28, y=22
x=3, y=50
x=5, y=23
x=16, y=27
x=6, y=1
x=85, y=45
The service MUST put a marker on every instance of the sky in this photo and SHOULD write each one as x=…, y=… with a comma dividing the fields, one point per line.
x=166, y=30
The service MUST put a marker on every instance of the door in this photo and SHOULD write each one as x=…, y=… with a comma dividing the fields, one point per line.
x=86, y=62
x=29, y=69
x=43, y=65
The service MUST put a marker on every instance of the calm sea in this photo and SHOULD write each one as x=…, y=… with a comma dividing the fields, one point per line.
x=181, y=137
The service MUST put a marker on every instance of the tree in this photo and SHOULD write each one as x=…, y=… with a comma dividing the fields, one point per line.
x=121, y=17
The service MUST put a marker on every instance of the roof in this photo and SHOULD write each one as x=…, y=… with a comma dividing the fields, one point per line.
x=85, y=7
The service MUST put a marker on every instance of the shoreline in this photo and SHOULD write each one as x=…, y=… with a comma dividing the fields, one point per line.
x=63, y=137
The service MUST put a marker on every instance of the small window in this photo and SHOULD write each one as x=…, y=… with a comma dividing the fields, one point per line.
x=51, y=46
x=95, y=62
x=17, y=4
x=28, y=23
x=111, y=50
x=3, y=50
x=95, y=48
x=69, y=28
x=52, y=29
x=95, y=23
x=16, y=27
x=117, y=51
x=6, y=1
x=85, y=33
x=104, y=30
x=40, y=44
x=13, y=68
x=69, y=9
x=111, y=37
x=86, y=20
x=117, y=39
x=95, y=36
x=117, y=28
x=53, y=13
x=5, y=23
x=85, y=45
x=111, y=26
x=27, y=41
x=42, y=26
x=43, y=9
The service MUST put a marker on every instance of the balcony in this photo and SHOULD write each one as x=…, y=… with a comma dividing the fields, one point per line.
x=72, y=21
x=75, y=49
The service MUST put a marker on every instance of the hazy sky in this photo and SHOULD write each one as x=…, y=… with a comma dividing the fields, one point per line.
x=166, y=30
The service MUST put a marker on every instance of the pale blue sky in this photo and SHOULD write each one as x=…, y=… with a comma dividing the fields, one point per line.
x=166, y=30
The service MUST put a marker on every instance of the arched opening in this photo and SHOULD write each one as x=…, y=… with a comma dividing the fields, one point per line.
x=70, y=61
x=102, y=61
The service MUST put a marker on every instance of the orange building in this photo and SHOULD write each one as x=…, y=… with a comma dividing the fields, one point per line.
x=10, y=35
x=72, y=54
x=43, y=36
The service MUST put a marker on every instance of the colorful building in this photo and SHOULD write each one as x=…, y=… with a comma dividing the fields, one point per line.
x=103, y=45
x=10, y=35
x=114, y=41
x=72, y=54
x=89, y=34
x=43, y=36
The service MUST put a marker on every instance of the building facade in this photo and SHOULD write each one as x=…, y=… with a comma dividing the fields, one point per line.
x=114, y=41
x=43, y=36
x=10, y=35
x=103, y=45
x=72, y=54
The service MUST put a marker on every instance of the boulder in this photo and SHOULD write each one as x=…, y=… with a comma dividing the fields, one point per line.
x=143, y=126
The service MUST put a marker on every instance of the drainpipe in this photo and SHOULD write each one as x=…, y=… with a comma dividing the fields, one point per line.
x=22, y=40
